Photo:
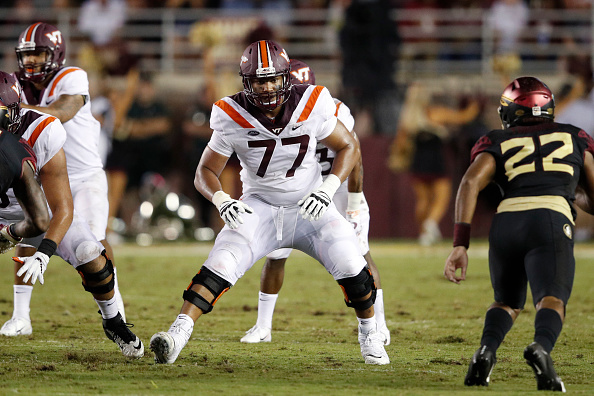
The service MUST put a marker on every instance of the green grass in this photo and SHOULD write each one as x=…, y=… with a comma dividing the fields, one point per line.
x=436, y=327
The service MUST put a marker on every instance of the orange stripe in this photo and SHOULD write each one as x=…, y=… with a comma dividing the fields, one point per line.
x=57, y=80
x=337, y=106
x=30, y=31
x=231, y=112
x=311, y=102
x=38, y=129
x=264, y=53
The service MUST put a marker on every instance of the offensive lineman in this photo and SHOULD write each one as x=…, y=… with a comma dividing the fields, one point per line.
x=349, y=201
x=62, y=92
x=68, y=235
x=274, y=128
x=537, y=163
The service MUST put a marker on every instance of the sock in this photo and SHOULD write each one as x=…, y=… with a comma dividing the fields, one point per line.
x=22, y=301
x=117, y=295
x=497, y=323
x=378, y=307
x=108, y=308
x=266, y=304
x=367, y=324
x=181, y=329
x=547, y=327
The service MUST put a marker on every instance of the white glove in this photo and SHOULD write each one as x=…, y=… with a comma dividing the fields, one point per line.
x=7, y=240
x=33, y=267
x=315, y=204
x=230, y=209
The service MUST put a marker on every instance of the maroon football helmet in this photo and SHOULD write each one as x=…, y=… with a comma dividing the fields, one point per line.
x=263, y=59
x=525, y=101
x=41, y=38
x=301, y=73
x=10, y=102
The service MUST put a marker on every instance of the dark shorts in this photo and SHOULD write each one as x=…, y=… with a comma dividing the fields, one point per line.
x=535, y=247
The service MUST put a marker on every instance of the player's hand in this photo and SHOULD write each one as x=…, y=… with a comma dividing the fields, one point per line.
x=7, y=240
x=230, y=209
x=314, y=205
x=33, y=267
x=458, y=258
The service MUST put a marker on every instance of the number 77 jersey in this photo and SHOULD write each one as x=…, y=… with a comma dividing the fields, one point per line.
x=277, y=157
x=538, y=166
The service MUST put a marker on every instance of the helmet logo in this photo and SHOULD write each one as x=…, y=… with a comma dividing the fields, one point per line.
x=243, y=60
x=536, y=110
x=283, y=53
x=55, y=37
x=301, y=74
x=15, y=89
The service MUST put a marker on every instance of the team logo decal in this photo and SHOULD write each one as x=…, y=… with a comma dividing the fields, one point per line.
x=253, y=133
x=567, y=231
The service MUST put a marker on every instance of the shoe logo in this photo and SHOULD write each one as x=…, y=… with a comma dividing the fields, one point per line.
x=138, y=343
x=297, y=126
x=538, y=370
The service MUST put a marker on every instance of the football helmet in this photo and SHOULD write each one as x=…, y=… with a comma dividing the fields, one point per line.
x=301, y=73
x=525, y=101
x=40, y=38
x=10, y=102
x=263, y=59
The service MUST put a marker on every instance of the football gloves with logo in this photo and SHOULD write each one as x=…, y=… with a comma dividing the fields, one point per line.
x=33, y=267
x=315, y=204
x=230, y=209
x=7, y=239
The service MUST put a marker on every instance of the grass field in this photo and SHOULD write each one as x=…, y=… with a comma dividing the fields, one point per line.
x=436, y=327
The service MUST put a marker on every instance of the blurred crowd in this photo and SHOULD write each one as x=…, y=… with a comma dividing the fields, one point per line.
x=152, y=142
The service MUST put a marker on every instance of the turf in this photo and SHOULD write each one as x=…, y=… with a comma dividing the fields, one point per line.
x=435, y=326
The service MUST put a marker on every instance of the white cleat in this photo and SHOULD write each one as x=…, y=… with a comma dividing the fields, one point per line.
x=257, y=334
x=164, y=348
x=16, y=326
x=383, y=330
x=372, y=348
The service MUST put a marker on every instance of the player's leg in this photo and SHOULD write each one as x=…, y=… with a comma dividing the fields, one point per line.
x=271, y=281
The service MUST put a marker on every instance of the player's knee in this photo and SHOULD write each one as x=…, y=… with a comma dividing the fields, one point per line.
x=98, y=281
x=359, y=291
x=213, y=283
x=87, y=252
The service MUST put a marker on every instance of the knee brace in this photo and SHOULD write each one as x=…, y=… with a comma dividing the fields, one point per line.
x=357, y=287
x=214, y=283
x=96, y=277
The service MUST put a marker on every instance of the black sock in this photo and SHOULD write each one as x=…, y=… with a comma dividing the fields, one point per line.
x=497, y=323
x=547, y=327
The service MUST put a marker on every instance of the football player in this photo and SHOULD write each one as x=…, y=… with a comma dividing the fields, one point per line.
x=349, y=201
x=274, y=127
x=537, y=163
x=68, y=235
x=63, y=92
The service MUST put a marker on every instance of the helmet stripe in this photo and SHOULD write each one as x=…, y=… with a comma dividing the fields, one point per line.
x=264, y=54
x=31, y=31
x=311, y=102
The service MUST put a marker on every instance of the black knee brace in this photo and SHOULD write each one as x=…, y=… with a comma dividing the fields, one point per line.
x=357, y=287
x=214, y=283
x=99, y=276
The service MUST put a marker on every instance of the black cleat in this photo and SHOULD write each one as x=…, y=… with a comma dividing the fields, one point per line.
x=542, y=364
x=480, y=368
x=119, y=332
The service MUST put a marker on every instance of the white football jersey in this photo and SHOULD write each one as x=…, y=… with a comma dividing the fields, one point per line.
x=279, y=165
x=46, y=135
x=83, y=130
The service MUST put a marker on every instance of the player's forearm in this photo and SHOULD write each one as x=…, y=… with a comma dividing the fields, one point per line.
x=59, y=224
x=344, y=161
x=207, y=182
x=355, y=183
x=466, y=199
x=65, y=108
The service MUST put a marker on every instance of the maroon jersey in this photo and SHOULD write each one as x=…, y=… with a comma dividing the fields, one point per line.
x=538, y=160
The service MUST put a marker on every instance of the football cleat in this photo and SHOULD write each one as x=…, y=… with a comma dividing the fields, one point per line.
x=542, y=365
x=480, y=368
x=119, y=332
x=257, y=334
x=16, y=326
x=372, y=348
x=165, y=348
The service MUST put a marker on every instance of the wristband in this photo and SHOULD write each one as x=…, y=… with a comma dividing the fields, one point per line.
x=47, y=247
x=354, y=201
x=462, y=234
x=219, y=197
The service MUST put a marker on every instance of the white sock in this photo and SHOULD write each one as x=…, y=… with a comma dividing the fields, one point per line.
x=22, y=301
x=108, y=308
x=266, y=304
x=117, y=295
x=367, y=324
x=378, y=307
x=181, y=329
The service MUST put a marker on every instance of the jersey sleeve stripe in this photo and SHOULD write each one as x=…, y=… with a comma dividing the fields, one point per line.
x=231, y=112
x=311, y=102
x=38, y=129
x=31, y=31
x=57, y=80
x=337, y=107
